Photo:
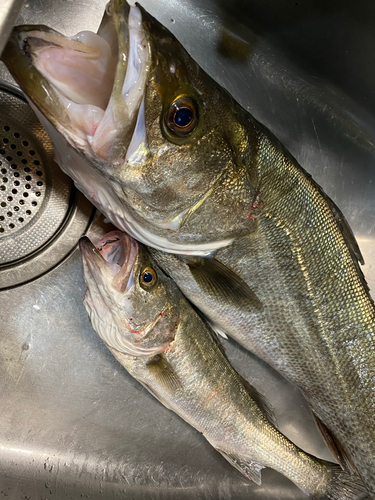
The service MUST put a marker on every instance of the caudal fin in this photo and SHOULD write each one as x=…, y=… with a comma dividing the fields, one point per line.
x=342, y=486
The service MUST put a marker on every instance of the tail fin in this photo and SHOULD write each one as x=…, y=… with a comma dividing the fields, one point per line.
x=341, y=486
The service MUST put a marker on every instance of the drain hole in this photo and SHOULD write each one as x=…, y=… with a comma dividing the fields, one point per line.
x=25, y=176
x=1, y=229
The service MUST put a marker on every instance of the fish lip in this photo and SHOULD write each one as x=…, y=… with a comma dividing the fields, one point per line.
x=96, y=263
x=91, y=257
x=89, y=250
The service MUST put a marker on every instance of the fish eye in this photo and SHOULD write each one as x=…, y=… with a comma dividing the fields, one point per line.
x=147, y=278
x=183, y=116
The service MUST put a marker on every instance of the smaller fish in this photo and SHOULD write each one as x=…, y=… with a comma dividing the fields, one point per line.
x=154, y=332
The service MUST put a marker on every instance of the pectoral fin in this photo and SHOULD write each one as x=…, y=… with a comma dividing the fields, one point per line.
x=248, y=468
x=164, y=374
x=215, y=278
x=335, y=447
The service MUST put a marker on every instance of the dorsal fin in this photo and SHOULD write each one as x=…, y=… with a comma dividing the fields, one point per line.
x=345, y=230
x=211, y=330
x=335, y=447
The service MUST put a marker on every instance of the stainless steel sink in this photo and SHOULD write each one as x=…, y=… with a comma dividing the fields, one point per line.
x=73, y=423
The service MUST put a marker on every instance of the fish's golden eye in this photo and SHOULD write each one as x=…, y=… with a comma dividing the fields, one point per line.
x=148, y=278
x=183, y=116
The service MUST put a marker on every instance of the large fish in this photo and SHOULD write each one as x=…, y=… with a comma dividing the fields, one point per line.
x=172, y=159
x=158, y=337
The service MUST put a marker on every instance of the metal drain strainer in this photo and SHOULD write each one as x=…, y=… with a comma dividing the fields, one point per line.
x=22, y=180
x=38, y=202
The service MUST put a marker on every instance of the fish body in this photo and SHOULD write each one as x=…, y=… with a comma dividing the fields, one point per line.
x=172, y=159
x=162, y=342
x=314, y=323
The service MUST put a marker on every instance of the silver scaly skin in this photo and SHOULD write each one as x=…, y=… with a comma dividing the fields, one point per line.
x=172, y=159
x=162, y=342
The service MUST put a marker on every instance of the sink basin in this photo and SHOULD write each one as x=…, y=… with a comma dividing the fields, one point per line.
x=73, y=423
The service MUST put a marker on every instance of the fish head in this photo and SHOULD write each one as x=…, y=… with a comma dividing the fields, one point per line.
x=154, y=142
x=131, y=303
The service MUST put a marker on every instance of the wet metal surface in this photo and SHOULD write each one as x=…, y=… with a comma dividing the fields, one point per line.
x=73, y=423
x=9, y=10
x=42, y=215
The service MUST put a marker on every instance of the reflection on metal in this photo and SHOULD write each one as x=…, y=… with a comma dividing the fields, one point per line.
x=9, y=10
x=73, y=423
x=42, y=215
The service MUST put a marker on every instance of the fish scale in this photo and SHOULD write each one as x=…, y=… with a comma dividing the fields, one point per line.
x=317, y=322
x=333, y=317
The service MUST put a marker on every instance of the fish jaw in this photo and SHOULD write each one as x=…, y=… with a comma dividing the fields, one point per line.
x=102, y=136
x=115, y=301
x=89, y=86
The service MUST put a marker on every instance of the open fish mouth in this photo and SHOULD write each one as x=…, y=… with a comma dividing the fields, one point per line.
x=89, y=86
x=110, y=263
x=108, y=269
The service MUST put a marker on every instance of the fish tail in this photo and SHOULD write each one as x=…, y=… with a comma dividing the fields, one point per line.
x=341, y=486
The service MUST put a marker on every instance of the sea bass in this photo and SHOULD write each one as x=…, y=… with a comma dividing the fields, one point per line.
x=160, y=339
x=172, y=159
